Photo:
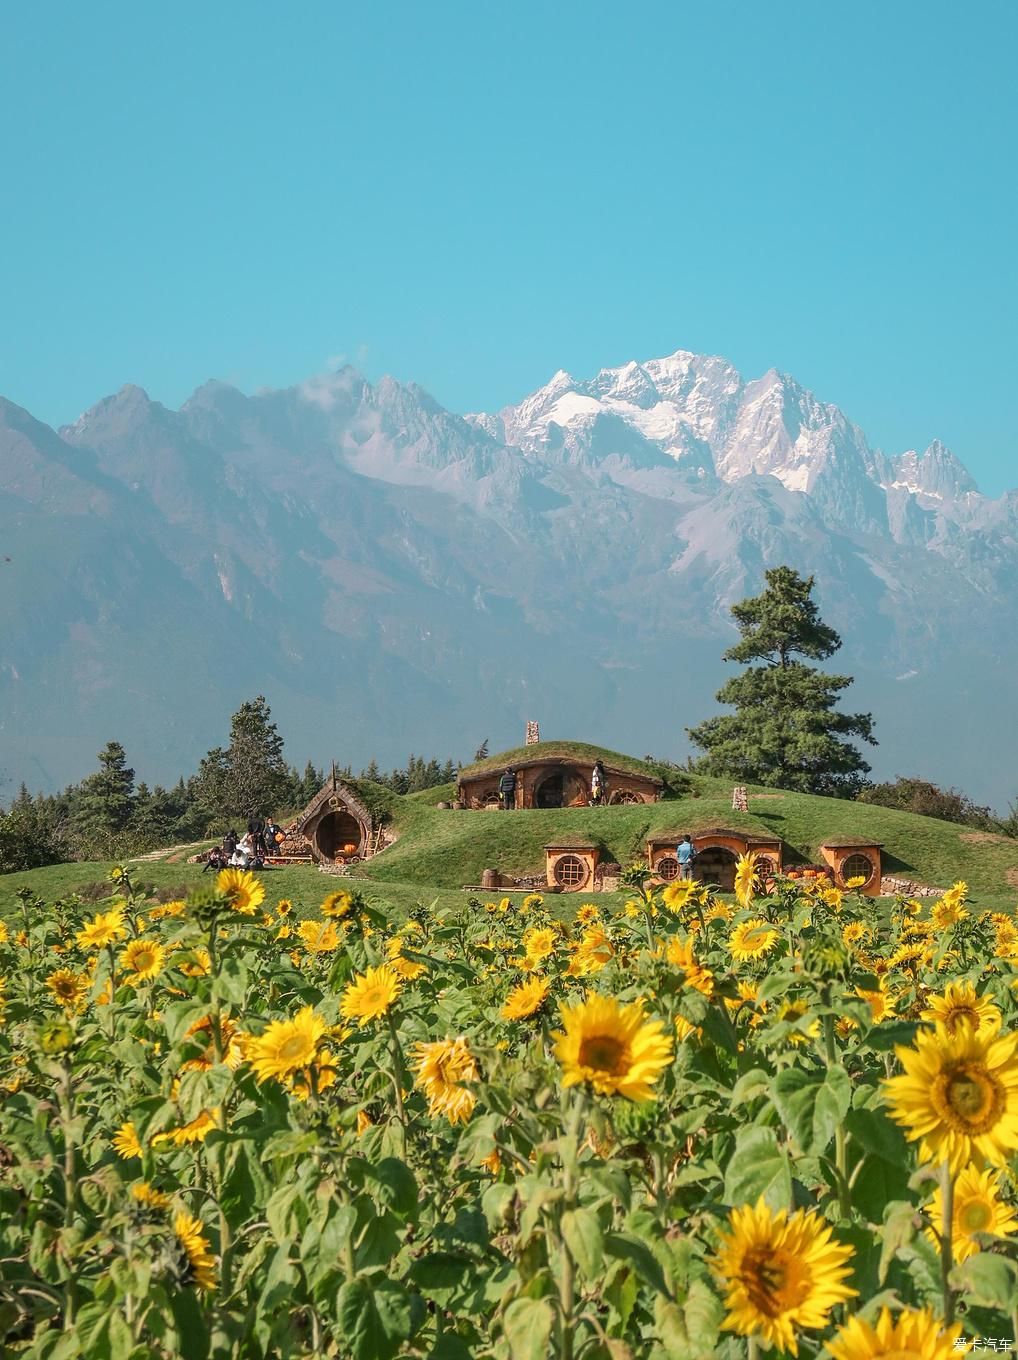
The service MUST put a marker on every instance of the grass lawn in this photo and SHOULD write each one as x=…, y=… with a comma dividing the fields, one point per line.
x=438, y=851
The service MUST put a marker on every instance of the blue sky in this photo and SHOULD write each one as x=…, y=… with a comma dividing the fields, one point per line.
x=472, y=195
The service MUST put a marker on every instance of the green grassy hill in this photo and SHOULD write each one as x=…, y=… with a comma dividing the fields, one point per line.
x=438, y=851
x=448, y=849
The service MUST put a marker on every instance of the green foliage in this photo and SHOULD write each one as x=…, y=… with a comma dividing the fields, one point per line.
x=927, y=800
x=786, y=731
x=333, y=1213
x=105, y=801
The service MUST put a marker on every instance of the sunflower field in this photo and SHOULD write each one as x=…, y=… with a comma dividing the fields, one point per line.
x=781, y=1125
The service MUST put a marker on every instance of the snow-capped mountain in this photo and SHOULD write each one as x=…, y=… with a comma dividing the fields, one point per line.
x=395, y=576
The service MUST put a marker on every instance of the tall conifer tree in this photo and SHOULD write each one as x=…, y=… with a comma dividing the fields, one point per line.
x=785, y=731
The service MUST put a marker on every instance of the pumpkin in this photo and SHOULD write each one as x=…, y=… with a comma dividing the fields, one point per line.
x=349, y=848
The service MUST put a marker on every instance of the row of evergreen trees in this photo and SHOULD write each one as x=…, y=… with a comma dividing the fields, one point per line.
x=110, y=815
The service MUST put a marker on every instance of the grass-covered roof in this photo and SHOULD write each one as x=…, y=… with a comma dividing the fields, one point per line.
x=568, y=750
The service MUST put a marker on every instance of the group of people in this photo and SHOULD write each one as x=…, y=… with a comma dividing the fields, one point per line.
x=249, y=851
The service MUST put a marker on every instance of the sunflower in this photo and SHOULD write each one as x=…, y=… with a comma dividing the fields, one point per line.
x=195, y=963
x=856, y=881
x=102, y=930
x=676, y=895
x=284, y=906
x=532, y=901
x=319, y=937
x=406, y=969
x=196, y=1130
x=526, y=999
x=286, y=1045
x=680, y=953
x=856, y=932
x=148, y=1197
x=201, y=1265
x=370, y=994
x=538, y=942
x=126, y=1143
x=959, y=1094
x=316, y=1077
x=3, y=933
x=68, y=988
x=745, y=878
x=684, y=1029
x=143, y=960
x=241, y=889
x=613, y=1048
x=720, y=911
x=880, y=1003
x=201, y=1033
x=946, y=914
x=909, y=957
x=961, y=1003
x=794, y=1013
x=337, y=904
x=780, y=1274
x=913, y=1335
x=752, y=939
x=442, y=1069
x=977, y=1209
x=587, y=914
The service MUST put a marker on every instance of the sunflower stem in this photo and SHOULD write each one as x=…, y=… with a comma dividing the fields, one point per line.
x=567, y=1280
x=397, y=1079
x=66, y=1100
x=947, y=1239
x=840, y=1144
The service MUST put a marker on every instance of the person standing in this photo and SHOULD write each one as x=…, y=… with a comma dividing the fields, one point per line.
x=597, y=784
x=256, y=830
x=507, y=789
x=685, y=854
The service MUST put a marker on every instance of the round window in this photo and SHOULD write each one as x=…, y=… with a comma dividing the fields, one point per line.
x=764, y=867
x=570, y=872
x=857, y=866
x=667, y=868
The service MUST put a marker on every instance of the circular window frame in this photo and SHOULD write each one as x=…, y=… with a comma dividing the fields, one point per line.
x=851, y=867
x=563, y=871
x=667, y=868
x=765, y=867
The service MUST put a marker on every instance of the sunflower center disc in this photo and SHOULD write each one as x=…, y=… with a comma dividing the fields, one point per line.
x=970, y=1096
x=773, y=1282
x=976, y=1217
x=602, y=1053
x=292, y=1048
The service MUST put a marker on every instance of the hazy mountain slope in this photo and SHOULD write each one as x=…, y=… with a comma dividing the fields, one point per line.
x=394, y=576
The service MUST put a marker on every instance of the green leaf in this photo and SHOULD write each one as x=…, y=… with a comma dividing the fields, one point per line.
x=624, y=1247
x=396, y=1184
x=527, y=1326
x=376, y=1318
x=758, y=1167
x=884, y=1037
x=877, y=1133
x=748, y=1087
x=441, y=1273
x=898, y=1230
x=583, y=1237
x=232, y=982
x=286, y=1212
x=812, y=1104
x=987, y=1280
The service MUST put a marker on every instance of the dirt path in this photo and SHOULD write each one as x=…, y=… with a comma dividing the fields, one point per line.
x=172, y=853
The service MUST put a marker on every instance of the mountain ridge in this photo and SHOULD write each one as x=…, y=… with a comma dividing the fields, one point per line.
x=354, y=548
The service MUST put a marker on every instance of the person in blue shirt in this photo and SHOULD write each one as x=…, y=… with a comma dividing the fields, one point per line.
x=685, y=854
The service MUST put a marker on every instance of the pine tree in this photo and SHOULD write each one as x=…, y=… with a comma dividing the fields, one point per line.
x=257, y=774
x=105, y=800
x=372, y=772
x=785, y=731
